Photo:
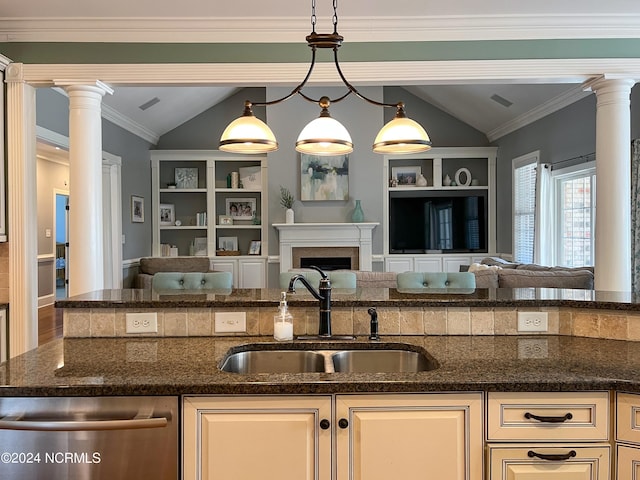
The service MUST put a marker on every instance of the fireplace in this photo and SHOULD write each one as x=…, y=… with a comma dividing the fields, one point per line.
x=319, y=241
x=327, y=258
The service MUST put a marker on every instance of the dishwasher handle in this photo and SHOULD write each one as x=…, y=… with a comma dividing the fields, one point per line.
x=13, y=423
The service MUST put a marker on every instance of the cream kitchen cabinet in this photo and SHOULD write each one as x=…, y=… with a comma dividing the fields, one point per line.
x=409, y=436
x=548, y=436
x=284, y=438
x=383, y=436
x=628, y=435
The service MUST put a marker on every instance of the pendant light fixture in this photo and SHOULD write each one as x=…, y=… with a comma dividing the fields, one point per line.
x=324, y=135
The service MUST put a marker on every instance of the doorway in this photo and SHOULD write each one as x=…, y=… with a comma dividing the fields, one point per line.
x=61, y=222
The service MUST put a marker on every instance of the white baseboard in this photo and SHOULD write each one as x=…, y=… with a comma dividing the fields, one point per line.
x=46, y=300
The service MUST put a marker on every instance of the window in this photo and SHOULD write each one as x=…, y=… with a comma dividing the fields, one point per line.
x=524, y=207
x=574, y=193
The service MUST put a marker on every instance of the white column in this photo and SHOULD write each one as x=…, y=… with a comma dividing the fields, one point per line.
x=86, y=245
x=613, y=184
x=22, y=212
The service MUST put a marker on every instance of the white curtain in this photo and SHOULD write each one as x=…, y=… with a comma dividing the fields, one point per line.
x=635, y=216
x=543, y=241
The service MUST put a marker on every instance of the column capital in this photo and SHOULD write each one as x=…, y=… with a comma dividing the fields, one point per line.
x=95, y=86
x=609, y=81
x=4, y=61
x=14, y=73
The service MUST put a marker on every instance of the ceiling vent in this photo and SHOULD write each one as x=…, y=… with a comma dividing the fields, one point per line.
x=149, y=104
x=501, y=100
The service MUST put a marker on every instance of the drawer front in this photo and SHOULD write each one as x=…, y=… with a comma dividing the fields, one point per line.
x=547, y=462
x=548, y=416
x=628, y=417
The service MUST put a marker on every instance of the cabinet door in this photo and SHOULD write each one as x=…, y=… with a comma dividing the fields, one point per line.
x=251, y=273
x=409, y=437
x=239, y=438
x=452, y=264
x=628, y=462
x=519, y=462
x=226, y=266
x=398, y=264
x=428, y=264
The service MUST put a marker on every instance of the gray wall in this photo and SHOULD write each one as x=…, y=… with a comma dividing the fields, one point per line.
x=563, y=135
x=52, y=112
x=287, y=119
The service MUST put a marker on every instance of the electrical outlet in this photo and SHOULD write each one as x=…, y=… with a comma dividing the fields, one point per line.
x=533, y=321
x=230, y=322
x=142, y=322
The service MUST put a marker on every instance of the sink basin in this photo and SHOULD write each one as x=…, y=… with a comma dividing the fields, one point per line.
x=381, y=361
x=274, y=361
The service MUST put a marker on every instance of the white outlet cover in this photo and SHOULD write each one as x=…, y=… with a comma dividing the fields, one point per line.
x=226, y=322
x=146, y=322
x=533, y=321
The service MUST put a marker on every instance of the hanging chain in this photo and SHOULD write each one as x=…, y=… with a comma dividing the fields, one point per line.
x=334, y=19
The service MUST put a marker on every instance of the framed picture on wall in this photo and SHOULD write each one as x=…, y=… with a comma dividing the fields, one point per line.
x=324, y=178
x=137, y=209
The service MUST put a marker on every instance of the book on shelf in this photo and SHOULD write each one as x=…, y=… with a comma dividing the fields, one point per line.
x=201, y=219
x=167, y=250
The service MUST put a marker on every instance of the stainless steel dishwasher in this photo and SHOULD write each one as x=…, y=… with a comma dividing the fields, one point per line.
x=89, y=438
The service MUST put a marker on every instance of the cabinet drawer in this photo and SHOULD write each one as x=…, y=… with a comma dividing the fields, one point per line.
x=628, y=417
x=523, y=462
x=548, y=416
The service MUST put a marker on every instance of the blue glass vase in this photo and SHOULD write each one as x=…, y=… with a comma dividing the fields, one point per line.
x=357, y=216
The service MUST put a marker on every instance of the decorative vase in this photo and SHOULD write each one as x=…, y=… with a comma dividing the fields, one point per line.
x=447, y=180
x=288, y=215
x=421, y=181
x=357, y=216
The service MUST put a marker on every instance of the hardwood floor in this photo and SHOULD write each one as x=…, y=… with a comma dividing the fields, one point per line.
x=49, y=324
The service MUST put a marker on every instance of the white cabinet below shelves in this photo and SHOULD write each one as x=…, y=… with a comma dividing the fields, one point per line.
x=247, y=271
x=429, y=263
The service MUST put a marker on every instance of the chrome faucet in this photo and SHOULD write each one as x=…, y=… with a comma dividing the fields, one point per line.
x=323, y=295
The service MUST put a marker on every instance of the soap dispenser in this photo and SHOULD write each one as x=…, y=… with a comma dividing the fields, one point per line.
x=283, y=321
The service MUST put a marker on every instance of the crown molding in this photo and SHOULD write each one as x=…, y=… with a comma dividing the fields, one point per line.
x=128, y=124
x=538, y=112
x=115, y=117
x=360, y=73
x=294, y=29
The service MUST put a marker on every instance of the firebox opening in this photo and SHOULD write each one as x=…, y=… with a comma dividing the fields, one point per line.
x=326, y=263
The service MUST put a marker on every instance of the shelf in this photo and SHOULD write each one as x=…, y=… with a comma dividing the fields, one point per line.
x=183, y=227
x=405, y=189
x=182, y=190
x=238, y=227
x=237, y=190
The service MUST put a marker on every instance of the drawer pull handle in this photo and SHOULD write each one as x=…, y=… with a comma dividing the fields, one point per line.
x=552, y=457
x=539, y=418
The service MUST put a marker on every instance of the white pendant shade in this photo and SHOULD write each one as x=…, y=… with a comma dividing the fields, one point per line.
x=324, y=136
x=248, y=134
x=402, y=135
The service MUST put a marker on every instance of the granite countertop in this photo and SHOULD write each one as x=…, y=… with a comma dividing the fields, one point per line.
x=381, y=297
x=174, y=366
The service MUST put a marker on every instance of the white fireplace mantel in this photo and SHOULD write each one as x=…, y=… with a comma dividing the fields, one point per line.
x=325, y=235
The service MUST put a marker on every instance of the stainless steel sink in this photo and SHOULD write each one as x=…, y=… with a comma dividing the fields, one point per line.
x=338, y=358
x=274, y=361
x=381, y=361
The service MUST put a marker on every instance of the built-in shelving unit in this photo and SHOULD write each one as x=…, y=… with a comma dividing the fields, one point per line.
x=192, y=201
x=473, y=169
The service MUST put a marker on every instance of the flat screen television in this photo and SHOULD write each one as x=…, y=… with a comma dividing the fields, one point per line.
x=438, y=221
